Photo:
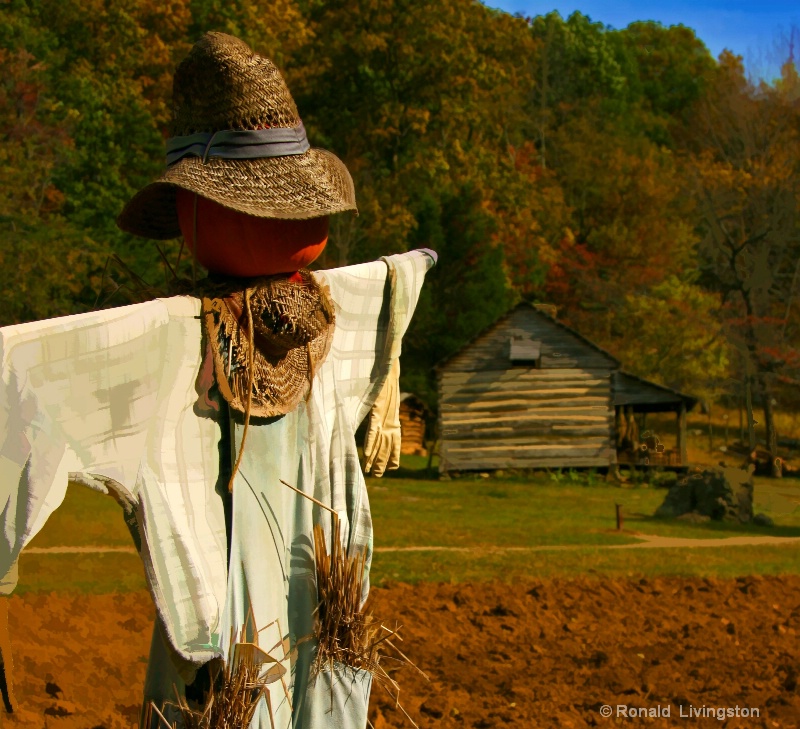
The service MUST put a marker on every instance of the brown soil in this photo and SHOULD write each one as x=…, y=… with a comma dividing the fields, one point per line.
x=541, y=654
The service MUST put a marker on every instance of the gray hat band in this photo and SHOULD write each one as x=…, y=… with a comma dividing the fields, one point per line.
x=239, y=144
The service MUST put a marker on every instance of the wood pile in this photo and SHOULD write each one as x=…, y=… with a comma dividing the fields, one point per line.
x=412, y=425
x=760, y=458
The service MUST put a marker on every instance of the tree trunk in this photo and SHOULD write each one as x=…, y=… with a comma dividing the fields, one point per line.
x=769, y=425
x=681, y=441
x=751, y=425
x=741, y=420
x=342, y=237
x=710, y=430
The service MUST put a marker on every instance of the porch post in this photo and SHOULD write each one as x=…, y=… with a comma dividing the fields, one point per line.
x=620, y=425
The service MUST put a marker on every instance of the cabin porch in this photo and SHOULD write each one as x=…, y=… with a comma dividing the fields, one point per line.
x=636, y=443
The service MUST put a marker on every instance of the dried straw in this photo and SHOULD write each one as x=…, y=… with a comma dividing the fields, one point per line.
x=236, y=689
x=347, y=632
x=231, y=703
x=269, y=335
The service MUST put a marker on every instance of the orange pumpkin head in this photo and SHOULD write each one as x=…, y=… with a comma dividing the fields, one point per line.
x=236, y=244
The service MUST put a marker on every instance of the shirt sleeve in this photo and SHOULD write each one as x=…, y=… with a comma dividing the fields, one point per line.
x=374, y=305
x=77, y=393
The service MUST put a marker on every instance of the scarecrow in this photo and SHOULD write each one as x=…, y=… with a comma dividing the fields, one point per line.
x=223, y=422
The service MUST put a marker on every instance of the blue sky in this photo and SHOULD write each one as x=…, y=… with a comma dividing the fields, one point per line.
x=749, y=28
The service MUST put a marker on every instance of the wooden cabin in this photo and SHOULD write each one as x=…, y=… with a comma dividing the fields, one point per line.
x=527, y=392
x=413, y=413
x=531, y=392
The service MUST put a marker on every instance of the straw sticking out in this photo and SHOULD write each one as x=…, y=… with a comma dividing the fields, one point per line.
x=346, y=632
x=235, y=692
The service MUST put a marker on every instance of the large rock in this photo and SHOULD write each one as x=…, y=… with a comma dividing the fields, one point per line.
x=722, y=494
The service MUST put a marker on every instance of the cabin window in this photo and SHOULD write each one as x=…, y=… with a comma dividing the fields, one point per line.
x=525, y=353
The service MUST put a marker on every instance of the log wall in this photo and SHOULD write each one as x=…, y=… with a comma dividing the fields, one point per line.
x=522, y=417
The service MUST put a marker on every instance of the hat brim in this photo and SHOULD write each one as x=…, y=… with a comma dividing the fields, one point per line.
x=297, y=187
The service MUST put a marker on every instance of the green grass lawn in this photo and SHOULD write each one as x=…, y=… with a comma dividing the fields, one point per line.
x=510, y=529
x=95, y=574
x=586, y=562
x=538, y=511
x=86, y=518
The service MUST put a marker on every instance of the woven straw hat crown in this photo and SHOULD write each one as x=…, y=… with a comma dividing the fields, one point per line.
x=222, y=84
x=221, y=89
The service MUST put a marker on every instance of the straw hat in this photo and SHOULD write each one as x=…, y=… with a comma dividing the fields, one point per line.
x=237, y=139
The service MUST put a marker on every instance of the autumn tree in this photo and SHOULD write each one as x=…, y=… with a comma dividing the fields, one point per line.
x=418, y=98
x=607, y=104
x=577, y=61
x=747, y=179
x=426, y=104
x=105, y=72
x=48, y=266
x=548, y=159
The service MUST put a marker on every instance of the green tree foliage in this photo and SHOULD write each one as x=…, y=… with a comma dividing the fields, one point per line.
x=108, y=80
x=47, y=265
x=425, y=102
x=578, y=60
x=462, y=296
x=609, y=108
x=670, y=67
x=696, y=361
x=105, y=85
x=415, y=97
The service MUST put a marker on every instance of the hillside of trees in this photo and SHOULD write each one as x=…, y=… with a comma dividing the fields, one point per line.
x=647, y=189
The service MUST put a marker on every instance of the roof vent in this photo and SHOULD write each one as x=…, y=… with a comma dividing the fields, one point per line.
x=525, y=352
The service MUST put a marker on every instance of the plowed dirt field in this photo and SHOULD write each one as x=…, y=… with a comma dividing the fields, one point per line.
x=539, y=654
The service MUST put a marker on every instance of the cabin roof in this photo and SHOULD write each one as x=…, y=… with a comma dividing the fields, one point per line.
x=646, y=396
x=538, y=312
